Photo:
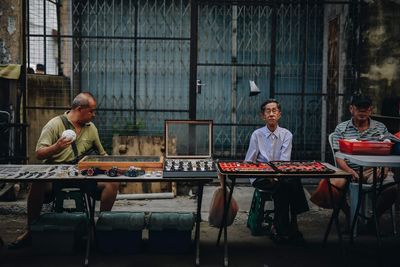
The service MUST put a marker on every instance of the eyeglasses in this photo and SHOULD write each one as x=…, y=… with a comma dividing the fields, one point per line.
x=273, y=111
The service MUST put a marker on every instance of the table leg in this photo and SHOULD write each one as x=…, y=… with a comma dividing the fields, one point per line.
x=335, y=212
x=328, y=229
x=200, y=187
x=224, y=226
x=225, y=213
x=356, y=213
x=87, y=200
x=374, y=202
x=91, y=205
x=226, y=257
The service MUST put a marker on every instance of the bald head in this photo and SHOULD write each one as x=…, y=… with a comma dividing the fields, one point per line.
x=83, y=108
x=82, y=100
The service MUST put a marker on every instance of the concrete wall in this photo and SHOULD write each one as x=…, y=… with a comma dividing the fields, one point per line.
x=66, y=43
x=10, y=32
x=44, y=92
x=380, y=50
x=377, y=56
x=335, y=81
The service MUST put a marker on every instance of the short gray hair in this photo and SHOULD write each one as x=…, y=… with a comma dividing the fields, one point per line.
x=82, y=100
x=271, y=100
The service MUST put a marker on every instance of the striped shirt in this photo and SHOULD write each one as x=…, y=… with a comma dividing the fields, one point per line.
x=347, y=130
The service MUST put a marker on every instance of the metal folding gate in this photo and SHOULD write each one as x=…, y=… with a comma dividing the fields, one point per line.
x=150, y=60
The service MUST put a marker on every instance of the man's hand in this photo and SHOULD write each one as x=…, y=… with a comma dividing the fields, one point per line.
x=356, y=177
x=343, y=165
x=47, y=152
x=63, y=143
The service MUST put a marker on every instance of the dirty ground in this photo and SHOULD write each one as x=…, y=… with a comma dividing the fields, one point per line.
x=244, y=249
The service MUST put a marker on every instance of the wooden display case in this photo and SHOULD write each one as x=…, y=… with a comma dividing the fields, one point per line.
x=147, y=163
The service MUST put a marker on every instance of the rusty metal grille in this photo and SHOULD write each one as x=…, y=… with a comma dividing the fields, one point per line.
x=236, y=46
x=299, y=75
x=135, y=57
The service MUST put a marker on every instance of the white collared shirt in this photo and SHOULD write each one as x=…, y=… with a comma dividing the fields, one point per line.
x=268, y=146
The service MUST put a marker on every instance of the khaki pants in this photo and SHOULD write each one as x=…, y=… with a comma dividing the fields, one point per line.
x=368, y=176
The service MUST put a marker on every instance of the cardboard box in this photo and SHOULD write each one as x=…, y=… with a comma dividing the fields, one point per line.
x=170, y=232
x=120, y=232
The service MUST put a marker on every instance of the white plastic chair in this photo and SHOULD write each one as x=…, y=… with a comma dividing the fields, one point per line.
x=353, y=197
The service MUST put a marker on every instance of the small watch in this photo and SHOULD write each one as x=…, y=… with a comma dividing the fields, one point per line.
x=73, y=172
x=134, y=172
x=91, y=171
x=113, y=172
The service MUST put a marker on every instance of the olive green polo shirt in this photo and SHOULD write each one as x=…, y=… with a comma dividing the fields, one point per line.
x=87, y=138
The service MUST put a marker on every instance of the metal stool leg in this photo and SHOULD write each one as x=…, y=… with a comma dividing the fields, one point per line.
x=354, y=196
x=393, y=214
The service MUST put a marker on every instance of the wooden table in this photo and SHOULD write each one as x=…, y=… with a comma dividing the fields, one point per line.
x=335, y=213
x=148, y=178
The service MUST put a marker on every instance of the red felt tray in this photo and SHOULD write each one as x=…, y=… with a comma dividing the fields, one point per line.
x=244, y=167
x=300, y=167
x=365, y=147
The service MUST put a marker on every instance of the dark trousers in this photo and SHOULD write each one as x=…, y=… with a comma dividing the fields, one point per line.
x=289, y=201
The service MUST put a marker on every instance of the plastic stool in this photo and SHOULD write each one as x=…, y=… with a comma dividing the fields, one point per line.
x=260, y=219
x=69, y=200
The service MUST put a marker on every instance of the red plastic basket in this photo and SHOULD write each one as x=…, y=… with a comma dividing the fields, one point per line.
x=365, y=147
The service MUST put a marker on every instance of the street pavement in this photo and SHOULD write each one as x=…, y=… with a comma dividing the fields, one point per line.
x=244, y=249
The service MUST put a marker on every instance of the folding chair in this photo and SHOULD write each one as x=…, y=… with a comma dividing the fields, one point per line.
x=366, y=205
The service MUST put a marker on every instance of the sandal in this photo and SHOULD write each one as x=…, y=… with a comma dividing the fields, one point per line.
x=277, y=238
x=20, y=243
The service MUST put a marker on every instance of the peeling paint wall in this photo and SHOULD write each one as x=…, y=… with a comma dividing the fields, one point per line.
x=335, y=99
x=66, y=44
x=10, y=32
x=380, y=50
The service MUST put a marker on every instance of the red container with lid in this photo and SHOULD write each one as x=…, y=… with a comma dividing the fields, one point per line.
x=365, y=147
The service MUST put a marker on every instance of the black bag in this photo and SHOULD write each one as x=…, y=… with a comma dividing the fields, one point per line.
x=92, y=151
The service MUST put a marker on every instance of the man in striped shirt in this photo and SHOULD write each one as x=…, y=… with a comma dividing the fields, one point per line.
x=362, y=127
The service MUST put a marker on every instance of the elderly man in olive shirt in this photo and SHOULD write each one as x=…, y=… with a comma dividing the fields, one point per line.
x=53, y=148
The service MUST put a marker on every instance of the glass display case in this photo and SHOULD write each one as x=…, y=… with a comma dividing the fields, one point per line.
x=188, y=151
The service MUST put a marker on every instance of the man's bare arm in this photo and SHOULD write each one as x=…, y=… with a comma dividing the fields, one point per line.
x=57, y=147
x=343, y=165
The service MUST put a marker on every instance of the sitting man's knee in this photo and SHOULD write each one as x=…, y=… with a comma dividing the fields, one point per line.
x=108, y=195
x=111, y=187
x=114, y=186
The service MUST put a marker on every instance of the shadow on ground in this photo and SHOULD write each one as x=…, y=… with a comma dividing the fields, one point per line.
x=244, y=249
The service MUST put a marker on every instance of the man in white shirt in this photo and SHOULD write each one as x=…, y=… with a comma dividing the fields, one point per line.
x=270, y=143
